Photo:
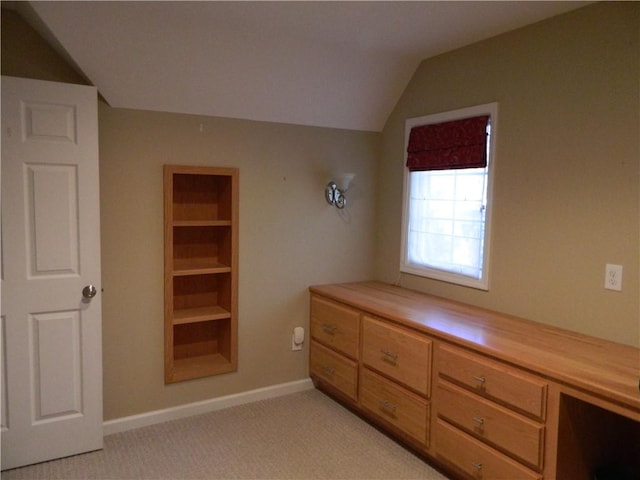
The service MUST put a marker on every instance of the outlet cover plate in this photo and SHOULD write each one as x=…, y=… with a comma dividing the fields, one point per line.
x=613, y=277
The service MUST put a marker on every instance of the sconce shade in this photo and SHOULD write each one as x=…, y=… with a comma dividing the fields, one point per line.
x=343, y=181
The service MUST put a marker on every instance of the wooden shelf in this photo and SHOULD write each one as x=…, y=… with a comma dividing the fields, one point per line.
x=201, y=223
x=200, y=314
x=201, y=269
x=201, y=366
x=198, y=266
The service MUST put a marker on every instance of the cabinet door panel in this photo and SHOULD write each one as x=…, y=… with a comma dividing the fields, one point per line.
x=395, y=405
x=476, y=459
x=338, y=371
x=398, y=353
x=488, y=421
x=335, y=326
x=493, y=380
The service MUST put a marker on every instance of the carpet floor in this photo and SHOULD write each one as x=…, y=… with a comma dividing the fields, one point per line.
x=300, y=436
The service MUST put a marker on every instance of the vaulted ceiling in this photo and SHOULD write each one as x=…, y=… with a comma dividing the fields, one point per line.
x=332, y=64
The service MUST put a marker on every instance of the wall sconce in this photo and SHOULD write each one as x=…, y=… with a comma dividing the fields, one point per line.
x=334, y=193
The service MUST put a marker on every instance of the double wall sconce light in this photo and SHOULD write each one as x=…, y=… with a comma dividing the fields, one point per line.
x=334, y=193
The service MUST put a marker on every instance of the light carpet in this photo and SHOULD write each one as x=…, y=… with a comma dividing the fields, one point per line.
x=300, y=436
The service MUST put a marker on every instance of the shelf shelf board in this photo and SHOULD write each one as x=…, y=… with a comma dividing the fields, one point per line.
x=201, y=223
x=197, y=266
x=200, y=366
x=200, y=314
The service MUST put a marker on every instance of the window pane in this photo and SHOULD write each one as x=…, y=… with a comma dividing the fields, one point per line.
x=440, y=186
x=446, y=220
x=469, y=211
x=470, y=187
x=469, y=229
x=439, y=226
x=465, y=252
x=440, y=209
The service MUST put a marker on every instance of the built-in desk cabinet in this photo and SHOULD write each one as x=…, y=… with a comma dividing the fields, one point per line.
x=481, y=395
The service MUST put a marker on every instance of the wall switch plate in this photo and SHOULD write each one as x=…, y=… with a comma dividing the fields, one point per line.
x=613, y=277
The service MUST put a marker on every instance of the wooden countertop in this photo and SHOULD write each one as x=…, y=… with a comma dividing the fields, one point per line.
x=599, y=367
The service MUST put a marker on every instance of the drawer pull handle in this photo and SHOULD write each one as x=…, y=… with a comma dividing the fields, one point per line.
x=479, y=421
x=480, y=379
x=389, y=407
x=477, y=466
x=328, y=370
x=329, y=328
x=389, y=356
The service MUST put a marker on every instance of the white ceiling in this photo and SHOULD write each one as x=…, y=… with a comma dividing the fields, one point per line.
x=333, y=64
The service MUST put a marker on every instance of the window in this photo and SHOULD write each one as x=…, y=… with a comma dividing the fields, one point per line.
x=447, y=196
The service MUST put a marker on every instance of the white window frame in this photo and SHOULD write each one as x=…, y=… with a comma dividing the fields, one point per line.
x=406, y=266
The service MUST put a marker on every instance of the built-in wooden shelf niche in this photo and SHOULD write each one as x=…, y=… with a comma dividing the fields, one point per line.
x=201, y=271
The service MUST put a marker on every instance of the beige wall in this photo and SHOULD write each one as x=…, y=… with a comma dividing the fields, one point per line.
x=566, y=193
x=289, y=237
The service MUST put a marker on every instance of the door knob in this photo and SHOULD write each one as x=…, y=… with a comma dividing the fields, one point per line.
x=89, y=291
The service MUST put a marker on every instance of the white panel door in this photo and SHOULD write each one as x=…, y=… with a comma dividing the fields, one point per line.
x=51, y=332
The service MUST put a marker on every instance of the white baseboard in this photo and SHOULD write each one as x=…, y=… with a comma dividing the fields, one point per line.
x=205, y=406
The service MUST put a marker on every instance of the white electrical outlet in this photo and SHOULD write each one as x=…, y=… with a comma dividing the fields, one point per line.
x=613, y=277
x=297, y=338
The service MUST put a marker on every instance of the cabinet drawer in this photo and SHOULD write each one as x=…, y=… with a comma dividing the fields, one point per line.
x=494, y=380
x=335, y=325
x=338, y=371
x=475, y=458
x=398, y=353
x=488, y=421
x=395, y=405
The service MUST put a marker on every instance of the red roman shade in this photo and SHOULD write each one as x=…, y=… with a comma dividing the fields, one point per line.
x=448, y=145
